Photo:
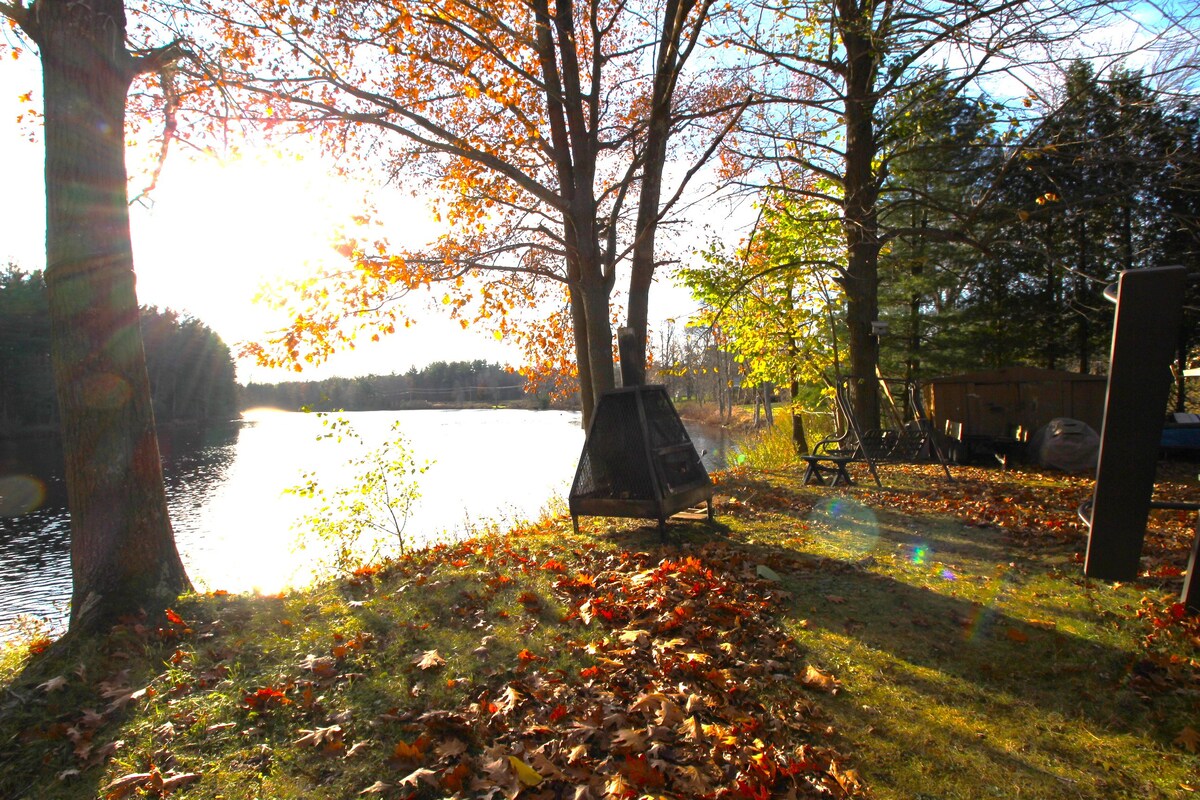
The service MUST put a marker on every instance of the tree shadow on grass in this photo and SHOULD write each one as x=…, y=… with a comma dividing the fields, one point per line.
x=987, y=653
x=997, y=656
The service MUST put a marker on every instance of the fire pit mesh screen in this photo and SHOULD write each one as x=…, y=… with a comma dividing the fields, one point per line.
x=614, y=463
x=638, y=460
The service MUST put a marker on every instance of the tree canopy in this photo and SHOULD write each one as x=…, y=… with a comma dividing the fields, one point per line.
x=540, y=130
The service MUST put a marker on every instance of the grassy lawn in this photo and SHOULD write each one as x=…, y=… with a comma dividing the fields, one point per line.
x=927, y=640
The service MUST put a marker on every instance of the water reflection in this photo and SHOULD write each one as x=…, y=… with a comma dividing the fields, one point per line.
x=233, y=521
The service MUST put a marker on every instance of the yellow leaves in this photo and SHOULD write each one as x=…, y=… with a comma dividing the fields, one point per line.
x=525, y=773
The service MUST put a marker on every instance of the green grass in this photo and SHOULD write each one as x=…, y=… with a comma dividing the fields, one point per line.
x=972, y=661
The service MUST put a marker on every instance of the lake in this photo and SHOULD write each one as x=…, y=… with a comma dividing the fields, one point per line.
x=235, y=526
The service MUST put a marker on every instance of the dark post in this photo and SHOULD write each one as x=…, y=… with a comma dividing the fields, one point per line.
x=1146, y=327
x=1190, y=596
x=633, y=371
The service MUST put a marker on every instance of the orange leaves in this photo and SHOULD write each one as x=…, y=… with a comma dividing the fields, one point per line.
x=403, y=751
x=265, y=698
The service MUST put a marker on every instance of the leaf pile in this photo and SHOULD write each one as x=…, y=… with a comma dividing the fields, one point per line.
x=583, y=673
x=674, y=704
x=691, y=692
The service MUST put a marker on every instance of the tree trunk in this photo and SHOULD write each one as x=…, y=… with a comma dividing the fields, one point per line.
x=1084, y=329
x=583, y=366
x=860, y=216
x=123, y=555
x=666, y=72
x=599, y=340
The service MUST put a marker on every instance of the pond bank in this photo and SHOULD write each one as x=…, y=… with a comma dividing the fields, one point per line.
x=929, y=639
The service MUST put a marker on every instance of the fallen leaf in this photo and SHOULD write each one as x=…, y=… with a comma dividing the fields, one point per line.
x=814, y=678
x=1189, y=739
x=53, y=685
x=430, y=659
x=635, y=637
x=172, y=782
x=451, y=748
x=122, y=699
x=126, y=784
x=320, y=736
x=321, y=666
x=630, y=739
x=509, y=700
x=525, y=773
x=404, y=751
x=692, y=730
x=414, y=778
x=378, y=787
x=1017, y=636
x=763, y=571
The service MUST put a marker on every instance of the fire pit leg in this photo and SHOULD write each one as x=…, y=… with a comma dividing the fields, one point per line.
x=575, y=523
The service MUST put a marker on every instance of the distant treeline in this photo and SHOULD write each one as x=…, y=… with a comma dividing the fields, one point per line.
x=457, y=383
x=191, y=370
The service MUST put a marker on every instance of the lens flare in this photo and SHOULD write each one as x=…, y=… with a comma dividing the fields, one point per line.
x=850, y=522
x=20, y=494
x=106, y=391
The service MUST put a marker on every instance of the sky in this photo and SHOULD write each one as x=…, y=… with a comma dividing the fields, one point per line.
x=214, y=233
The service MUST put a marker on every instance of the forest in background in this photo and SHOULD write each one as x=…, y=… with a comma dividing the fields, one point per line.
x=191, y=369
x=456, y=384
x=998, y=243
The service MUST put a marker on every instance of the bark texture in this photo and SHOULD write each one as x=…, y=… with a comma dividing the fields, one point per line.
x=123, y=554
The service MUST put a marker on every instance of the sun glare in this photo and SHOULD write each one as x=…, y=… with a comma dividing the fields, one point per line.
x=218, y=232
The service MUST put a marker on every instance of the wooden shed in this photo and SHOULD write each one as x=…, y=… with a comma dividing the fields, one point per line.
x=1009, y=402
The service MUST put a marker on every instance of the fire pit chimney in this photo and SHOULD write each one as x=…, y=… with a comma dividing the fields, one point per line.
x=633, y=368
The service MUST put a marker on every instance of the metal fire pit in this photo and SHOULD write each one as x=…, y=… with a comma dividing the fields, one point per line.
x=638, y=460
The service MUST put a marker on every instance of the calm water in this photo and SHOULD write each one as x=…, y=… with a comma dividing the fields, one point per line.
x=234, y=524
